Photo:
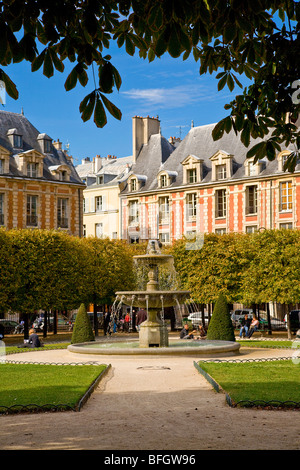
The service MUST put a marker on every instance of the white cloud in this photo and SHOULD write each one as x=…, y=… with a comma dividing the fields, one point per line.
x=174, y=97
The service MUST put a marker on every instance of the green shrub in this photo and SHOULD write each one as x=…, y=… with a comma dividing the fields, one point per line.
x=220, y=326
x=82, y=331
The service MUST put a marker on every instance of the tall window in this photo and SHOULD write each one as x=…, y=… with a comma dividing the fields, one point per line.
x=252, y=169
x=286, y=201
x=47, y=146
x=133, y=213
x=98, y=203
x=1, y=209
x=251, y=228
x=18, y=141
x=221, y=172
x=251, y=199
x=63, y=175
x=1, y=166
x=99, y=230
x=164, y=209
x=163, y=181
x=286, y=226
x=191, y=201
x=164, y=237
x=31, y=214
x=32, y=169
x=62, y=213
x=192, y=175
x=133, y=185
x=221, y=203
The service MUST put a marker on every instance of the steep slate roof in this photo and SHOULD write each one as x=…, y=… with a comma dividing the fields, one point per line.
x=116, y=169
x=151, y=159
x=29, y=135
x=198, y=142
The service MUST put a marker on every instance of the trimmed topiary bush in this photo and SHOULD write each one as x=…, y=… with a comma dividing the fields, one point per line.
x=220, y=326
x=82, y=331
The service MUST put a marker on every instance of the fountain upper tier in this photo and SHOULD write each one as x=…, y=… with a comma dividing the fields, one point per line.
x=153, y=299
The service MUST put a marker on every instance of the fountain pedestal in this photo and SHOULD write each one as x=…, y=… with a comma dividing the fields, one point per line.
x=153, y=332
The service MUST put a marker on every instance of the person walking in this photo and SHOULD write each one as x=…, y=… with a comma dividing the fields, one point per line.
x=141, y=316
x=127, y=322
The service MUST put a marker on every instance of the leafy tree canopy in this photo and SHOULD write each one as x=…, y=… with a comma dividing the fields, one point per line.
x=257, y=39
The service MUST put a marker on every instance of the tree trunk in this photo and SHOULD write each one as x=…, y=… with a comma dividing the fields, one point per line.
x=26, y=328
x=95, y=318
x=288, y=321
x=269, y=319
x=45, y=327
x=55, y=322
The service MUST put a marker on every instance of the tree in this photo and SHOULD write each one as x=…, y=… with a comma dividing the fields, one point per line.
x=215, y=268
x=109, y=269
x=274, y=273
x=257, y=39
x=220, y=326
x=82, y=331
x=8, y=272
x=49, y=271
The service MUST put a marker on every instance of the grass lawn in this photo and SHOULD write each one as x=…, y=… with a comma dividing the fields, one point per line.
x=263, y=381
x=45, y=384
x=268, y=344
x=16, y=349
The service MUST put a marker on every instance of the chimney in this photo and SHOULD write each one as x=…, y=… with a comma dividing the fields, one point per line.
x=57, y=145
x=97, y=163
x=142, y=129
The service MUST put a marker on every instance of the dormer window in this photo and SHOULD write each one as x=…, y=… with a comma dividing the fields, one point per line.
x=192, y=169
x=192, y=175
x=60, y=172
x=100, y=179
x=15, y=138
x=45, y=143
x=221, y=173
x=165, y=178
x=63, y=175
x=18, y=142
x=30, y=163
x=32, y=169
x=221, y=165
x=163, y=181
x=282, y=157
x=251, y=168
x=135, y=182
x=47, y=146
x=4, y=160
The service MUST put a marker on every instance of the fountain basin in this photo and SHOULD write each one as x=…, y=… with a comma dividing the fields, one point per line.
x=175, y=348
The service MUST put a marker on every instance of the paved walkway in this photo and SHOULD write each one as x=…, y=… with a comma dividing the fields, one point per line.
x=151, y=403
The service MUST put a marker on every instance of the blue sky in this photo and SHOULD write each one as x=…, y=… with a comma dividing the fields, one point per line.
x=171, y=89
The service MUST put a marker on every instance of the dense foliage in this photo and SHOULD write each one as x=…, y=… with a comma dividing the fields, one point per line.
x=257, y=39
x=245, y=268
x=47, y=270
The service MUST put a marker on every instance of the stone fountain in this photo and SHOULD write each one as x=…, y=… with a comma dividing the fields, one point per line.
x=153, y=334
x=153, y=331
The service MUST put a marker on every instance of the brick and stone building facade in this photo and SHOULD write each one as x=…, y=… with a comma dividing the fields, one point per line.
x=201, y=185
x=39, y=186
